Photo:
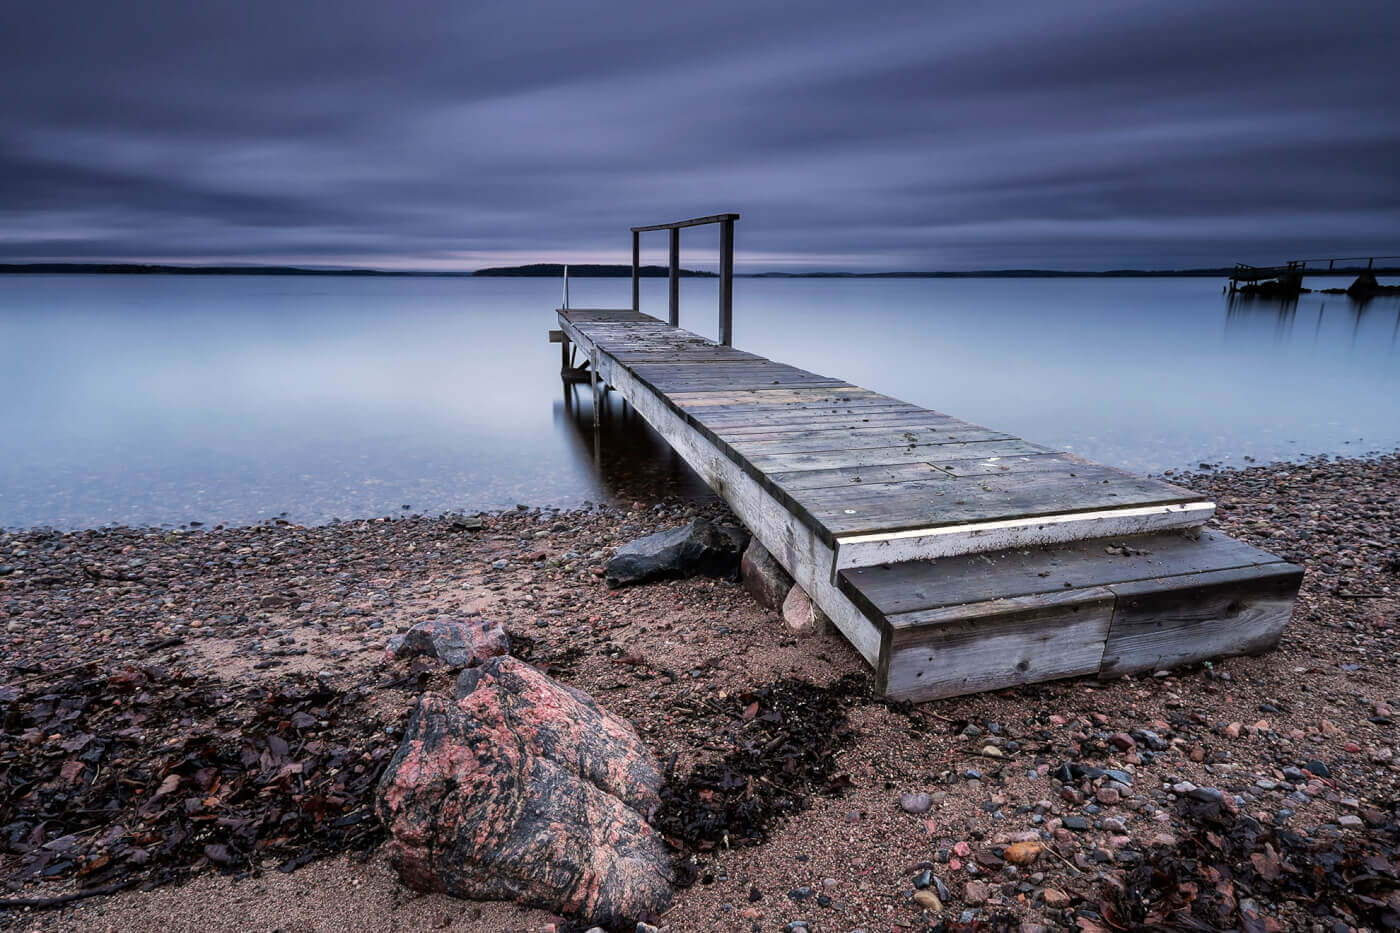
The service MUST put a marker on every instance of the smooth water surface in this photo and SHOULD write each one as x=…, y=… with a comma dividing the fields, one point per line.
x=167, y=399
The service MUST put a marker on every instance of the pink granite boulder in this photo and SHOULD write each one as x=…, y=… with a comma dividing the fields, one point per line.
x=523, y=789
x=455, y=642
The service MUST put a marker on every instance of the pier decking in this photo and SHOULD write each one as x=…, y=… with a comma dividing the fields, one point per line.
x=955, y=558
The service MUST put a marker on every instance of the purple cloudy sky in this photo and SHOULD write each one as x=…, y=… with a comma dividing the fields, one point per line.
x=459, y=133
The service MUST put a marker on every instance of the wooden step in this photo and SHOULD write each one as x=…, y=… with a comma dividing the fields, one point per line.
x=1105, y=607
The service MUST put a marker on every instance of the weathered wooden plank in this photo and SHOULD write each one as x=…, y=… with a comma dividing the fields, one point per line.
x=879, y=456
x=721, y=368
x=787, y=422
x=819, y=441
x=999, y=644
x=583, y=315
x=692, y=387
x=853, y=477
x=871, y=507
x=908, y=590
x=995, y=465
x=939, y=541
x=849, y=427
x=750, y=399
x=693, y=222
x=1159, y=624
x=842, y=477
x=727, y=377
x=691, y=381
x=760, y=416
x=728, y=374
x=654, y=354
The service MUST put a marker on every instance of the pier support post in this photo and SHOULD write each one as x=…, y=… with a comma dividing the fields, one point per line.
x=593, y=372
x=675, y=277
x=726, y=282
x=636, y=271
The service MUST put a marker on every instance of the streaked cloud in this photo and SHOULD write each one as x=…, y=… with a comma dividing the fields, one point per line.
x=437, y=134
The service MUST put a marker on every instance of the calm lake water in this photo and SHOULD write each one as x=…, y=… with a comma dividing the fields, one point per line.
x=162, y=400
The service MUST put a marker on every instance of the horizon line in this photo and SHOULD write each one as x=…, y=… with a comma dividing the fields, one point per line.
x=598, y=270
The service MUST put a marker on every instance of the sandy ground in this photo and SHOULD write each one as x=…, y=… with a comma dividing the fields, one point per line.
x=265, y=603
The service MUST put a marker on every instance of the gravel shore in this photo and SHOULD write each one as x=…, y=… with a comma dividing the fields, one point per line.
x=1256, y=793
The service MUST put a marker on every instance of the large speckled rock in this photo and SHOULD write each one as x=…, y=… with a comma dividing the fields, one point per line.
x=523, y=789
x=700, y=548
x=455, y=642
x=764, y=578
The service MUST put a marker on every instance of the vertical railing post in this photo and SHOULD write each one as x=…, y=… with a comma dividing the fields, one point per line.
x=636, y=271
x=675, y=277
x=726, y=282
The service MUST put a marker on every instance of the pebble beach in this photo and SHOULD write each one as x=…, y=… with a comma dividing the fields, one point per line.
x=1258, y=793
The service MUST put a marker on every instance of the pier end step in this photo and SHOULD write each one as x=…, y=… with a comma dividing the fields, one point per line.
x=1103, y=607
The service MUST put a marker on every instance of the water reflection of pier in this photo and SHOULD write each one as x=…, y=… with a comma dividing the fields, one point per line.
x=631, y=460
x=1246, y=315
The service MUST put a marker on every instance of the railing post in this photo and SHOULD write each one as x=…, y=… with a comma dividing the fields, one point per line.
x=675, y=277
x=636, y=271
x=726, y=282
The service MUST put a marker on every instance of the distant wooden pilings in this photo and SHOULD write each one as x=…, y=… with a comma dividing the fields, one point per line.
x=1288, y=278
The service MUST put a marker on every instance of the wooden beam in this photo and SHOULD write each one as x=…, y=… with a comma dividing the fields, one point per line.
x=693, y=222
x=867, y=550
x=998, y=643
x=1159, y=624
x=636, y=271
x=726, y=281
x=675, y=277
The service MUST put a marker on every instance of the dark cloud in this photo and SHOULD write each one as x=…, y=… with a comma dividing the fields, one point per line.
x=873, y=135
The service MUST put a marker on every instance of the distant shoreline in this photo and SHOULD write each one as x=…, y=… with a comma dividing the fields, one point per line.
x=555, y=270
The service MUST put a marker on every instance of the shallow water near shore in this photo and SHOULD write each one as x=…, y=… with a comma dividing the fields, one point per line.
x=149, y=400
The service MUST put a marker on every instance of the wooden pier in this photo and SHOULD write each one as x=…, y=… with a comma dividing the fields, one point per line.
x=1288, y=278
x=953, y=557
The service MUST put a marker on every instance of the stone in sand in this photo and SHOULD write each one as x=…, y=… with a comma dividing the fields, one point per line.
x=915, y=803
x=455, y=642
x=1022, y=853
x=764, y=578
x=802, y=615
x=700, y=548
x=523, y=789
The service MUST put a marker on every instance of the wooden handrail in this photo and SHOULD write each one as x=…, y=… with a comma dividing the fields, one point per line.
x=726, y=269
x=693, y=222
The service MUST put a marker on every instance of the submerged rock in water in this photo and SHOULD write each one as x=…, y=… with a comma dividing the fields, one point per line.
x=1366, y=286
x=764, y=578
x=700, y=548
x=523, y=789
x=455, y=642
